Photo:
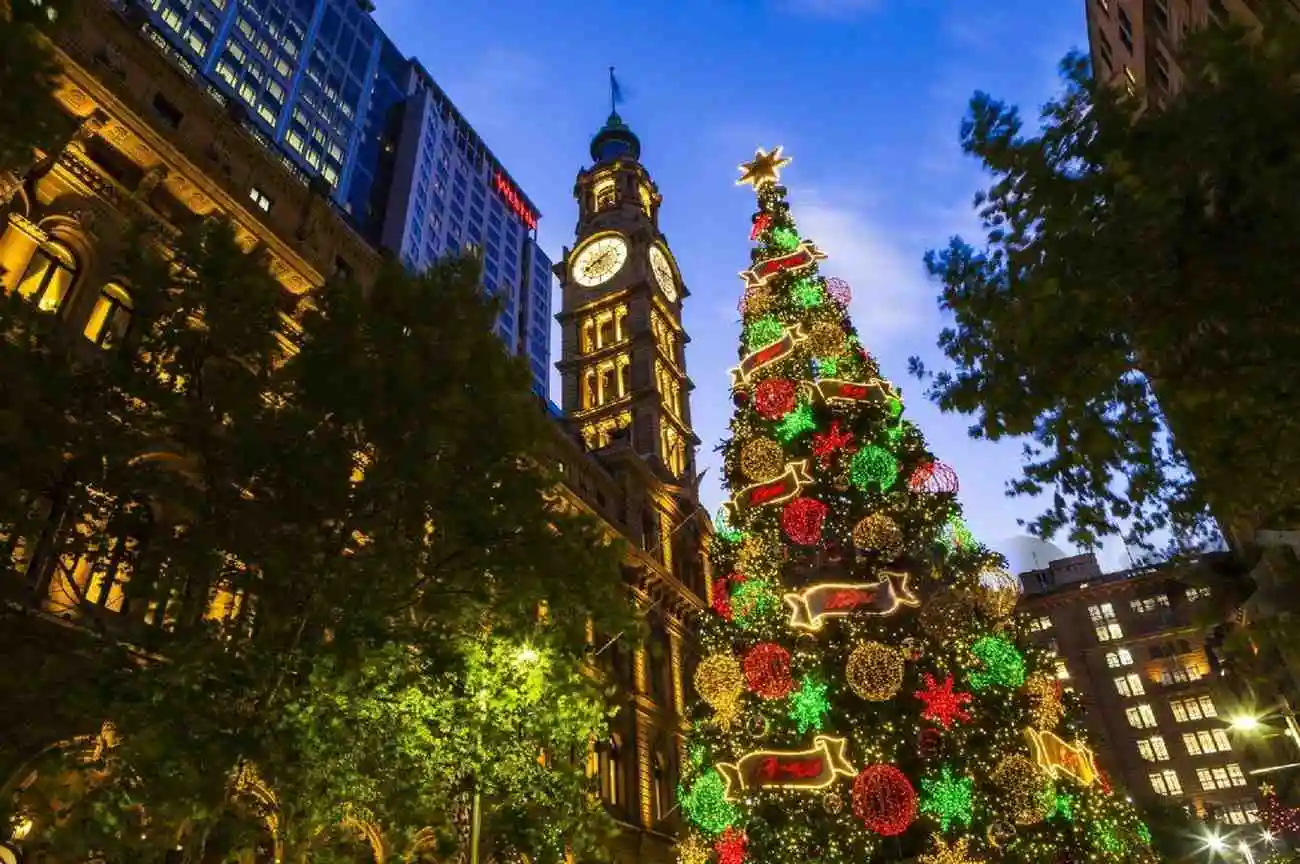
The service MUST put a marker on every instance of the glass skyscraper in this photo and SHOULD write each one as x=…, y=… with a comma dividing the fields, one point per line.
x=319, y=82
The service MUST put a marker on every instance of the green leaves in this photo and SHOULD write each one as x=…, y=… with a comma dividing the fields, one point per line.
x=334, y=562
x=1127, y=310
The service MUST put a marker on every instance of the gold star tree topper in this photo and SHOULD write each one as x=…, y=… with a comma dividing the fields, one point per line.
x=764, y=169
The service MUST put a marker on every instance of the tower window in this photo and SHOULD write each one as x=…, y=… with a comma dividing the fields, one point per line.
x=605, y=194
x=647, y=200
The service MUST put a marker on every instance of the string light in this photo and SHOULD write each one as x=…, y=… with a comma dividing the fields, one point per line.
x=761, y=459
x=934, y=478
x=809, y=705
x=763, y=331
x=807, y=294
x=767, y=671
x=884, y=800
x=706, y=804
x=797, y=422
x=1026, y=793
x=941, y=703
x=839, y=291
x=826, y=339
x=693, y=850
x=719, y=680
x=731, y=846
x=801, y=520
x=943, y=853
x=1045, y=705
x=775, y=398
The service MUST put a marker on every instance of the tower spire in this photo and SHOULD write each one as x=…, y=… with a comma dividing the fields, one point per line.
x=613, y=92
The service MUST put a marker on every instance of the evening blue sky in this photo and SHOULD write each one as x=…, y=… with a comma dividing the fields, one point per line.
x=866, y=95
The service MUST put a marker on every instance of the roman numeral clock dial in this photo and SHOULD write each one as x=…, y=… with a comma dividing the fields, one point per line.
x=599, y=260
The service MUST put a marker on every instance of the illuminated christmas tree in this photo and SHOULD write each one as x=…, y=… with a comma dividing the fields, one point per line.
x=866, y=693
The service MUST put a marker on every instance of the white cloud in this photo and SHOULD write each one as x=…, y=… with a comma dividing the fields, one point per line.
x=893, y=299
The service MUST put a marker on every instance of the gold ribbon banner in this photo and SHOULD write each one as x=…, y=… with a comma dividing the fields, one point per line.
x=835, y=390
x=810, y=607
x=801, y=258
x=777, y=491
x=811, y=769
x=1054, y=755
x=767, y=354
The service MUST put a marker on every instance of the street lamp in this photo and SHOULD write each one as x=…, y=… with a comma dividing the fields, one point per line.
x=1214, y=842
x=1245, y=723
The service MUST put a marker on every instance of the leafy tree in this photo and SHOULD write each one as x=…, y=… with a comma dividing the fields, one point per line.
x=29, y=117
x=341, y=578
x=1130, y=310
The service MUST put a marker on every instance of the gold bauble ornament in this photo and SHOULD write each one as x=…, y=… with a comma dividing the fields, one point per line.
x=875, y=671
x=719, y=680
x=880, y=534
x=1044, y=700
x=998, y=592
x=826, y=340
x=761, y=459
x=1027, y=794
x=948, y=614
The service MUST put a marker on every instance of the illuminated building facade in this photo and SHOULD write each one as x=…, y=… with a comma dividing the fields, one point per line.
x=319, y=83
x=130, y=159
x=1132, y=646
x=627, y=409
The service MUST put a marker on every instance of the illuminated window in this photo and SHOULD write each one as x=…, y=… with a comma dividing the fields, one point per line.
x=1062, y=671
x=111, y=317
x=1239, y=813
x=1165, y=782
x=611, y=771
x=1129, y=685
x=1105, y=622
x=258, y=197
x=647, y=200
x=1149, y=604
x=1153, y=749
x=1043, y=622
x=49, y=277
x=1122, y=657
x=1194, y=708
x=1140, y=716
x=1198, y=592
x=659, y=779
x=1224, y=777
x=1206, y=741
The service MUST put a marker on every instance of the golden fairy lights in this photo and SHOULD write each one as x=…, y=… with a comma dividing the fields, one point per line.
x=761, y=459
x=1045, y=704
x=1026, y=791
x=880, y=534
x=875, y=671
x=826, y=339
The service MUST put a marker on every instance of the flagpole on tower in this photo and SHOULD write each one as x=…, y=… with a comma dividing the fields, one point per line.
x=613, y=92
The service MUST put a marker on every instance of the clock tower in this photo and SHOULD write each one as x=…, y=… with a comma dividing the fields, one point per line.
x=623, y=363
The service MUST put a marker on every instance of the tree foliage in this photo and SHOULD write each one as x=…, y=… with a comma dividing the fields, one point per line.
x=29, y=118
x=1131, y=308
x=326, y=565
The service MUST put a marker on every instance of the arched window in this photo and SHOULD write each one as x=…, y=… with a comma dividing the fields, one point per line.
x=49, y=277
x=605, y=193
x=111, y=317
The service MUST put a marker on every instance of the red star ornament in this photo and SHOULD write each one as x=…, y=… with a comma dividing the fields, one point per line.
x=761, y=223
x=826, y=444
x=941, y=704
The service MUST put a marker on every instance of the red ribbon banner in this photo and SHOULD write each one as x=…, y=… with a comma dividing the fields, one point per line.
x=810, y=607
x=767, y=354
x=782, y=489
x=835, y=390
x=805, y=256
x=811, y=769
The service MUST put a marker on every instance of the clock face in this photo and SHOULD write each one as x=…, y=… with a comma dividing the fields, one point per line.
x=599, y=260
x=663, y=273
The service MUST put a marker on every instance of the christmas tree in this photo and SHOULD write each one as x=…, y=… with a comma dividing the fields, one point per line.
x=866, y=692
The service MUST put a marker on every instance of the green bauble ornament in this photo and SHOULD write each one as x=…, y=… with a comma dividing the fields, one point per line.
x=874, y=466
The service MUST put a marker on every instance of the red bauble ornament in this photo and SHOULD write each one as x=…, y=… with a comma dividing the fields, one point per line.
x=802, y=520
x=722, y=598
x=740, y=398
x=941, y=704
x=839, y=291
x=731, y=846
x=884, y=800
x=934, y=477
x=767, y=671
x=775, y=398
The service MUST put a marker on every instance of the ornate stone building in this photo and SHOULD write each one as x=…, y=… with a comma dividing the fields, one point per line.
x=152, y=143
